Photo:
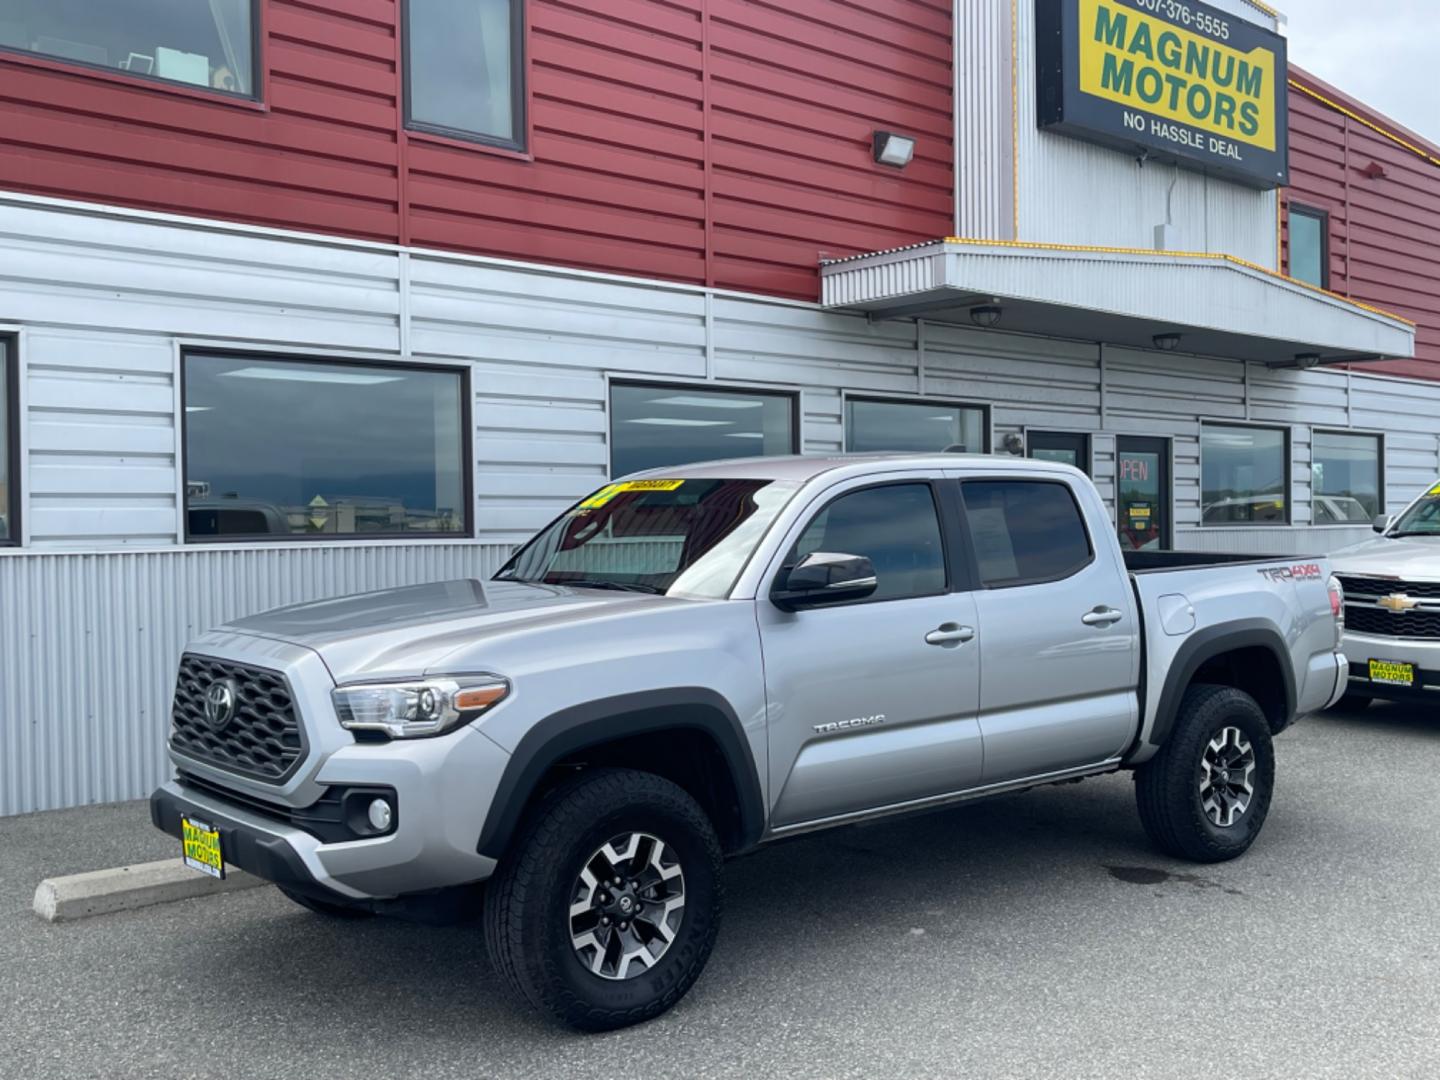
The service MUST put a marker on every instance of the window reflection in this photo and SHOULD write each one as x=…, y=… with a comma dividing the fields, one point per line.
x=1243, y=476
x=655, y=427
x=208, y=45
x=283, y=448
x=1345, y=470
x=461, y=56
x=5, y=444
x=915, y=426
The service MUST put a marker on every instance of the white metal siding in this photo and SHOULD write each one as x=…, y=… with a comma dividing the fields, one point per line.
x=89, y=644
x=97, y=608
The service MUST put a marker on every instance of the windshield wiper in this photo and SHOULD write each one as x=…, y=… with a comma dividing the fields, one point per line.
x=1413, y=532
x=616, y=586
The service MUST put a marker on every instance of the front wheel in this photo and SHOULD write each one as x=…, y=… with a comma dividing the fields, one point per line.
x=1205, y=795
x=604, y=911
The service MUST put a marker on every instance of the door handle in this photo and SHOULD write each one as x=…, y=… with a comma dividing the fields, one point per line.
x=1102, y=616
x=948, y=634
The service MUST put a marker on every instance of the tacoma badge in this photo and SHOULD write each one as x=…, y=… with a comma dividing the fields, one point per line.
x=845, y=725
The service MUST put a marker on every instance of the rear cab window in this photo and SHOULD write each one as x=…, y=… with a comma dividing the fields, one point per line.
x=1025, y=532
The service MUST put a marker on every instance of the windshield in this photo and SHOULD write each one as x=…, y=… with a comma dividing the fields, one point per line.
x=684, y=536
x=1422, y=519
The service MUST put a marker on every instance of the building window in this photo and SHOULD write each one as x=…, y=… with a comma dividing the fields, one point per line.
x=465, y=69
x=9, y=445
x=293, y=449
x=1244, y=476
x=1025, y=532
x=209, y=45
x=655, y=427
x=1310, y=246
x=919, y=426
x=1347, y=478
x=1066, y=447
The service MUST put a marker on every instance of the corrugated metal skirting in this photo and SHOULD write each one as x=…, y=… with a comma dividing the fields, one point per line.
x=89, y=643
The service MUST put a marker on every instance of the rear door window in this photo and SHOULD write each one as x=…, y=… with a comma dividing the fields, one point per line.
x=1025, y=531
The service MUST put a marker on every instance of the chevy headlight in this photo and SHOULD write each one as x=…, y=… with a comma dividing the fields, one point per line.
x=414, y=710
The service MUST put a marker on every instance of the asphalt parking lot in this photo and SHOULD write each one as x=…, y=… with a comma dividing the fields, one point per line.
x=1034, y=936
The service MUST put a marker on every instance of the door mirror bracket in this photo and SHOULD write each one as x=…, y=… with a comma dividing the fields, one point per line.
x=822, y=578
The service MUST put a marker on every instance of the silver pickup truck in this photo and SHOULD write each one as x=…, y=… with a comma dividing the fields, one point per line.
x=691, y=663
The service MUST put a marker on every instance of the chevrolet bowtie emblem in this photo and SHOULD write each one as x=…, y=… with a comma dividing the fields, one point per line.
x=1399, y=602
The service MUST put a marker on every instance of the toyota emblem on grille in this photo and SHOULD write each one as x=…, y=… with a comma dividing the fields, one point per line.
x=220, y=703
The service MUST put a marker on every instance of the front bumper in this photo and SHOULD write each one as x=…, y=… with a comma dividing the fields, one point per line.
x=443, y=789
x=1423, y=654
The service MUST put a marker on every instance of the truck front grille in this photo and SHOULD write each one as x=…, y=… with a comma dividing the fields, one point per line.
x=261, y=737
x=1364, y=619
x=1374, y=588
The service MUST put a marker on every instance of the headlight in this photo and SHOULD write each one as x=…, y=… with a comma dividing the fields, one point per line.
x=413, y=710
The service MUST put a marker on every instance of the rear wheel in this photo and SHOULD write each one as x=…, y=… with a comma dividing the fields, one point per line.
x=1205, y=795
x=605, y=910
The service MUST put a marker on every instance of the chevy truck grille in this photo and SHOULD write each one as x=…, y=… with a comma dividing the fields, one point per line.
x=1375, y=588
x=1381, y=623
x=261, y=738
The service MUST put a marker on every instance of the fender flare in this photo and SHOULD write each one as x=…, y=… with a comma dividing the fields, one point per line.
x=1206, y=645
x=575, y=729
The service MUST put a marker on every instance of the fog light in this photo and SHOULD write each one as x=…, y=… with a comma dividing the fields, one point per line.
x=380, y=815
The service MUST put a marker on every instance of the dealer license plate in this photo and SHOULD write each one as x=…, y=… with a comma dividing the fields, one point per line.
x=201, y=846
x=1392, y=673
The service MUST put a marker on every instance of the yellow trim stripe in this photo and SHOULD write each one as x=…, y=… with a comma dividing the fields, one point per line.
x=1214, y=256
x=1266, y=8
x=1396, y=139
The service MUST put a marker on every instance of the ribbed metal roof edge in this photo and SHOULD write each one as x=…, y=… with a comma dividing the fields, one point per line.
x=1094, y=249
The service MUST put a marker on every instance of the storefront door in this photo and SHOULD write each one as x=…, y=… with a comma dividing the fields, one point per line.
x=1142, y=484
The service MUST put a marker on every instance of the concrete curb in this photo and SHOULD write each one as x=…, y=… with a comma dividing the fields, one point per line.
x=124, y=888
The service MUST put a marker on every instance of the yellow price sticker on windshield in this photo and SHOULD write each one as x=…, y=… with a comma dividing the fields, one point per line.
x=1434, y=490
x=609, y=491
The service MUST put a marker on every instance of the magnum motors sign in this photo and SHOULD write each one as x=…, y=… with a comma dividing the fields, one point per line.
x=1174, y=80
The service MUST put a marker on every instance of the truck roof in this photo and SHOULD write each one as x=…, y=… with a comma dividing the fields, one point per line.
x=802, y=468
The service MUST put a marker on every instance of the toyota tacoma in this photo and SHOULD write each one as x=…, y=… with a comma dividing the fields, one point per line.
x=691, y=663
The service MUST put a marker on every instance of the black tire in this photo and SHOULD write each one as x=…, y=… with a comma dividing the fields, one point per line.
x=1168, y=787
x=325, y=907
x=527, y=905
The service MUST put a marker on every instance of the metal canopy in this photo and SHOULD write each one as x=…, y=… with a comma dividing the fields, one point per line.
x=1218, y=305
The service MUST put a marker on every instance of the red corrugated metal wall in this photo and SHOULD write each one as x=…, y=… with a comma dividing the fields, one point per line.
x=708, y=141
x=1383, y=198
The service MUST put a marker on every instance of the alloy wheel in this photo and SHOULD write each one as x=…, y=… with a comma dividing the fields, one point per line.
x=1227, y=769
x=626, y=906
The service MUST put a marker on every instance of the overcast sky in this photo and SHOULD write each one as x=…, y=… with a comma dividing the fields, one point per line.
x=1385, y=54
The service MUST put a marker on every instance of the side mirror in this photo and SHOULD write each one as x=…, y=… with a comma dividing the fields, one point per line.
x=824, y=577
x=1383, y=522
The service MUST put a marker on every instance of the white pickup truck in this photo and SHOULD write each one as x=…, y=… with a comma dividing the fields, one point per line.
x=1392, y=606
x=688, y=664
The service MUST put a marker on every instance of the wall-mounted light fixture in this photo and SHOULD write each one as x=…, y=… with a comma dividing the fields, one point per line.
x=1167, y=342
x=986, y=315
x=893, y=150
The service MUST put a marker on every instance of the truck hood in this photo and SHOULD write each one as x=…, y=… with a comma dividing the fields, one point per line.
x=1414, y=558
x=407, y=632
